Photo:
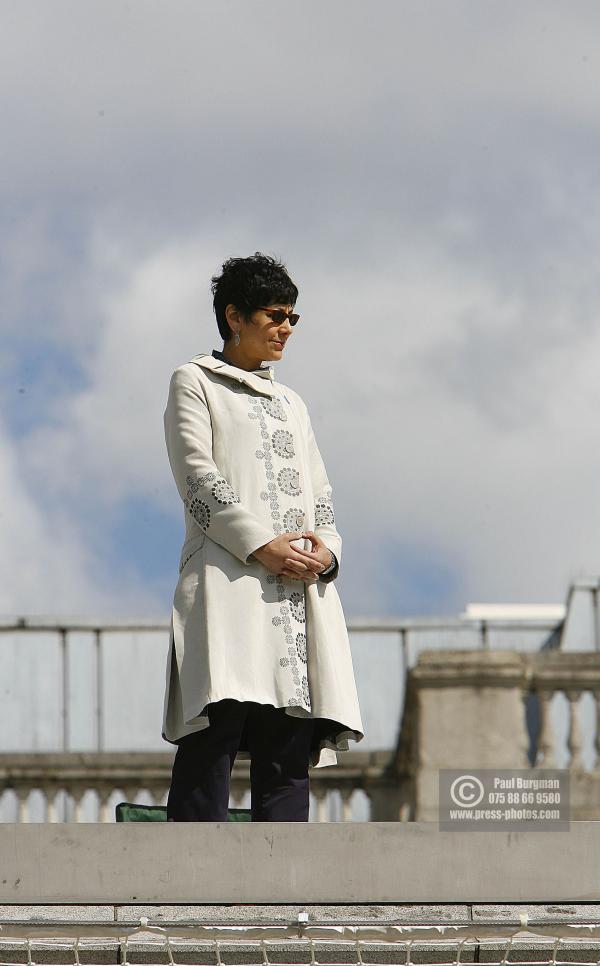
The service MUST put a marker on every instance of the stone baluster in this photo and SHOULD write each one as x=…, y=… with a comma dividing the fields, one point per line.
x=320, y=794
x=23, y=813
x=51, y=797
x=545, y=749
x=346, y=792
x=405, y=812
x=77, y=794
x=596, y=693
x=575, y=739
x=237, y=794
x=131, y=792
x=159, y=793
x=104, y=794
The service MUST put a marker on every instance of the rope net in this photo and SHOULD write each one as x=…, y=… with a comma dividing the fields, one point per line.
x=81, y=944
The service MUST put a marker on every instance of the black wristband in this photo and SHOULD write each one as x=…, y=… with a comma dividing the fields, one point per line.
x=330, y=570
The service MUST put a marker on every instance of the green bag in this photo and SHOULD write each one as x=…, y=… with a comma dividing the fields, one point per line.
x=130, y=812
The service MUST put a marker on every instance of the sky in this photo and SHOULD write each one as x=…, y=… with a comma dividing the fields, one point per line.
x=429, y=174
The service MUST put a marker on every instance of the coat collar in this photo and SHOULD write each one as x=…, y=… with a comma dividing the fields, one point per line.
x=261, y=380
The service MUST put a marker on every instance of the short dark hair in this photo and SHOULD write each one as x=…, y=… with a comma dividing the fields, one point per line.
x=249, y=283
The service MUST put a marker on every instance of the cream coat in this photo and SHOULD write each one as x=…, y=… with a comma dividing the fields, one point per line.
x=247, y=468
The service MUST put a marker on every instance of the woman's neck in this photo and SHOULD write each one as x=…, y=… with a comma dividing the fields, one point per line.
x=233, y=355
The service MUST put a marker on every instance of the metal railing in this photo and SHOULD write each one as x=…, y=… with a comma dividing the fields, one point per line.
x=410, y=635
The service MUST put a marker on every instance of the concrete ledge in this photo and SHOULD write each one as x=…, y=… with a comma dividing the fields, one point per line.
x=355, y=914
x=273, y=862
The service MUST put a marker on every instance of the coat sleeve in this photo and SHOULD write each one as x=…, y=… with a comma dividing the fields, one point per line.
x=325, y=526
x=206, y=494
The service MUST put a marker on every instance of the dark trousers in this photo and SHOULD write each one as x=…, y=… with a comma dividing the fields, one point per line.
x=279, y=746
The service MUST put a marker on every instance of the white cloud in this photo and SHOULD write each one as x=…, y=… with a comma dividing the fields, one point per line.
x=500, y=480
x=46, y=567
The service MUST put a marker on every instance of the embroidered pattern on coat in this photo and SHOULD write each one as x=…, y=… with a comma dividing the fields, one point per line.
x=200, y=512
x=305, y=689
x=288, y=480
x=274, y=408
x=195, y=483
x=293, y=519
x=297, y=602
x=222, y=492
x=281, y=442
x=324, y=510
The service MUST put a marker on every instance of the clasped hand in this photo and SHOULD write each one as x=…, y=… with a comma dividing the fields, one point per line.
x=281, y=558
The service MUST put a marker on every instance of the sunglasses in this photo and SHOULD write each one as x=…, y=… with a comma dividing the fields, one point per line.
x=279, y=316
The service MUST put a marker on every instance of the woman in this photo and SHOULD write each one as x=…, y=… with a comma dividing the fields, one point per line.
x=259, y=662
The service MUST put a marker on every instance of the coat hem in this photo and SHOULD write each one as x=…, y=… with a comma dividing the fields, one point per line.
x=323, y=755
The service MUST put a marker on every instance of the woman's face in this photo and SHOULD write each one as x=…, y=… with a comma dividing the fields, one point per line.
x=271, y=335
x=261, y=337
